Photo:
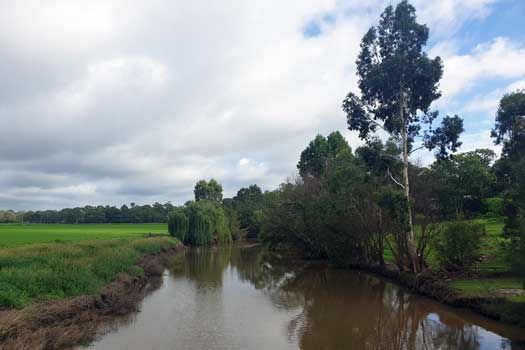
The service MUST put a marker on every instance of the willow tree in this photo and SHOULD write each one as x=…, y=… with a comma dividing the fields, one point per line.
x=398, y=83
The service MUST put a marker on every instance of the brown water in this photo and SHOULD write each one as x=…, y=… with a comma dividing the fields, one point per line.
x=245, y=298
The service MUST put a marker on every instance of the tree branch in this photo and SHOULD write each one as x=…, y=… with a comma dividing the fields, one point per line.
x=417, y=149
x=393, y=179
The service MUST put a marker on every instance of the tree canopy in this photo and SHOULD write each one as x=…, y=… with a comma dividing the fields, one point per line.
x=208, y=190
x=319, y=152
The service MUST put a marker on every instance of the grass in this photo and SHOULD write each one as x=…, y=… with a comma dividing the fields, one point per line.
x=486, y=286
x=59, y=270
x=12, y=235
x=491, y=248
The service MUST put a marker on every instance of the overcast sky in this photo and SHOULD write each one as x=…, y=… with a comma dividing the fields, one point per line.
x=111, y=102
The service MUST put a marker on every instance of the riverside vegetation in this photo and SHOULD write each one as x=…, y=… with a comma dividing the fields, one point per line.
x=54, y=271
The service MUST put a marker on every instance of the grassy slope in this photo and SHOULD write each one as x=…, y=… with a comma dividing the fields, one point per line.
x=12, y=235
x=59, y=270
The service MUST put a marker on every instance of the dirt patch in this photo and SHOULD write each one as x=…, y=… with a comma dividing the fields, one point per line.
x=60, y=324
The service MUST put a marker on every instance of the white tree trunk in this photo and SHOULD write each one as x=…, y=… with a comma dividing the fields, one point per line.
x=410, y=237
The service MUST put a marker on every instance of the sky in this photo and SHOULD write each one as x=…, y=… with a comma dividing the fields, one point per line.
x=112, y=102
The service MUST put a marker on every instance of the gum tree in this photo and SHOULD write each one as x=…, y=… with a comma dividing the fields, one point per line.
x=398, y=83
x=509, y=131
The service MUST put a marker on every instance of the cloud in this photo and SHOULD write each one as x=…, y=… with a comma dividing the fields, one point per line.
x=106, y=102
x=487, y=104
x=500, y=58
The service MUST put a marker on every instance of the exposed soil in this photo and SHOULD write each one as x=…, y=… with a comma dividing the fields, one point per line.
x=60, y=324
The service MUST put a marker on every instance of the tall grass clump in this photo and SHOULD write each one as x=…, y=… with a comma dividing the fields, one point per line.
x=53, y=271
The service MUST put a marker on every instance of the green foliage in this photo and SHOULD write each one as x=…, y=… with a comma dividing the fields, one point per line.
x=200, y=223
x=208, y=191
x=178, y=224
x=398, y=83
x=333, y=217
x=98, y=214
x=509, y=131
x=462, y=182
x=50, y=271
x=234, y=225
x=458, y=244
x=397, y=79
x=319, y=152
x=510, y=124
x=493, y=206
x=200, y=232
x=445, y=137
x=248, y=204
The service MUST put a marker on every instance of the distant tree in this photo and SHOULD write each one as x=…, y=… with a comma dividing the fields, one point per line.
x=248, y=205
x=509, y=130
x=398, y=82
x=208, y=190
x=7, y=216
x=463, y=180
x=319, y=151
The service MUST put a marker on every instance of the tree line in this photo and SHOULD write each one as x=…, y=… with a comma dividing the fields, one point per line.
x=92, y=215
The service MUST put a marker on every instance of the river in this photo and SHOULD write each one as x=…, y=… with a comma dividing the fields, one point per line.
x=246, y=298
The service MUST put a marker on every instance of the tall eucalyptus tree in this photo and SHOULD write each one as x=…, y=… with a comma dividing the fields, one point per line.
x=398, y=83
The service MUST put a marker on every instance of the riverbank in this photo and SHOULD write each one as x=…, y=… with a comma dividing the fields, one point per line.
x=510, y=310
x=62, y=323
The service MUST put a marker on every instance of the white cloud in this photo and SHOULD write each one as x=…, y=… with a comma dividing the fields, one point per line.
x=500, y=58
x=488, y=104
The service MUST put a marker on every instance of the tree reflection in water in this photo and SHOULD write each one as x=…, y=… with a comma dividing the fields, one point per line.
x=336, y=309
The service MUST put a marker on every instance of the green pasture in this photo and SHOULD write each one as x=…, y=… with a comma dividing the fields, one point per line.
x=12, y=235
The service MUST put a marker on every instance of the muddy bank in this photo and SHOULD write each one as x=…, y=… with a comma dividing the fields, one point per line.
x=60, y=324
x=435, y=286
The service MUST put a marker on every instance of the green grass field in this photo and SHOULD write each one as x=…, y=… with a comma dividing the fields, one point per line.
x=12, y=235
x=58, y=270
x=39, y=262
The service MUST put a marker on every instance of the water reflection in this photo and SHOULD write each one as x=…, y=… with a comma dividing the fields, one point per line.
x=239, y=298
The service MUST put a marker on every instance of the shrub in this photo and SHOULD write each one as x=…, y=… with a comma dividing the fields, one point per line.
x=493, y=206
x=458, y=244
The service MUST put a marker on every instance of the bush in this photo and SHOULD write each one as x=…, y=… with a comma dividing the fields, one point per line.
x=493, y=206
x=458, y=244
